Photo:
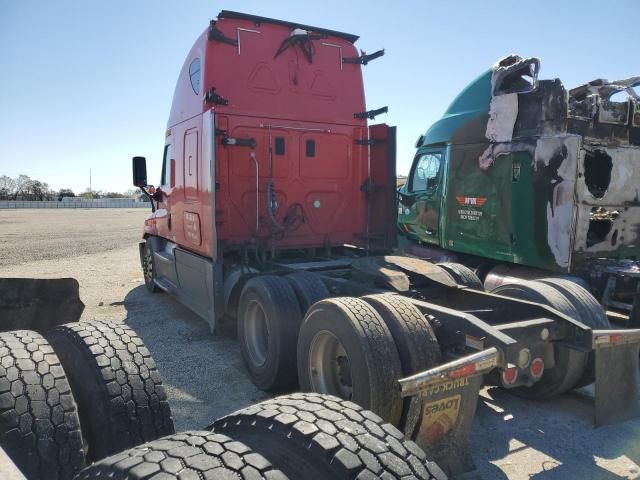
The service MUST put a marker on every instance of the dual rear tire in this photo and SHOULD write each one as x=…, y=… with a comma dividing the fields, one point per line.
x=270, y=312
x=573, y=368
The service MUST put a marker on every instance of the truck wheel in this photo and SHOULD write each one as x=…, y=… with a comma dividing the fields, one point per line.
x=120, y=396
x=269, y=318
x=323, y=437
x=149, y=270
x=570, y=363
x=463, y=275
x=590, y=312
x=308, y=287
x=39, y=425
x=188, y=455
x=345, y=349
x=417, y=346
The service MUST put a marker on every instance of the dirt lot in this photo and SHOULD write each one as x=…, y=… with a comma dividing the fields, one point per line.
x=512, y=438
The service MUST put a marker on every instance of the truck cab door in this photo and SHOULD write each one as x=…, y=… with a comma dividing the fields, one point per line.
x=166, y=189
x=420, y=198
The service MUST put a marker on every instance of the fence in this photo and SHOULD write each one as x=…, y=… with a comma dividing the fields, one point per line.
x=70, y=202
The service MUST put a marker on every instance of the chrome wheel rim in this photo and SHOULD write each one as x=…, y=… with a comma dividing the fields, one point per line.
x=329, y=366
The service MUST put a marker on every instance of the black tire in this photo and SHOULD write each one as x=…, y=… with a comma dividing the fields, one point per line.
x=39, y=425
x=269, y=318
x=463, y=275
x=120, y=396
x=417, y=346
x=590, y=312
x=570, y=363
x=309, y=289
x=149, y=269
x=347, y=348
x=322, y=437
x=188, y=455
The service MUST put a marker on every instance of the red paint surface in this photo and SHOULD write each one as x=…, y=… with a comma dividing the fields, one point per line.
x=269, y=97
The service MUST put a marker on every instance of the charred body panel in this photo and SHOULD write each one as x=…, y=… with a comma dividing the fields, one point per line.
x=534, y=174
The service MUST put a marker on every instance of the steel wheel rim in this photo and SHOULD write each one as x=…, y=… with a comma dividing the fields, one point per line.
x=329, y=366
x=256, y=333
x=147, y=266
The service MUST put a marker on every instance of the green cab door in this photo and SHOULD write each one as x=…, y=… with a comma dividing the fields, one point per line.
x=420, y=198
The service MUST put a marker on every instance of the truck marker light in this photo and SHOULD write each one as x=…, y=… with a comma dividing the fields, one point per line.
x=509, y=375
x=537, y=368
x=524, y=358
x=464, y=371
x=544, y=334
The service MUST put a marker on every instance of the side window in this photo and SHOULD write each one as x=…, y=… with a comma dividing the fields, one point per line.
x=166, y=165
x=194, y=75
x=426, y=173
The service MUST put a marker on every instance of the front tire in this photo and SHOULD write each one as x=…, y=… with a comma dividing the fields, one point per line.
x=149, y=269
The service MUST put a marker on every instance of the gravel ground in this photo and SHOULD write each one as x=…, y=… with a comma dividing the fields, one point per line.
x=205, y=378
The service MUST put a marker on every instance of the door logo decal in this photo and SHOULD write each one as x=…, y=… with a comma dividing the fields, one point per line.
x=476, y=201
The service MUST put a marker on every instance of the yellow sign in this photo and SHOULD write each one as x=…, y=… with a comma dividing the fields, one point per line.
x=439, y=417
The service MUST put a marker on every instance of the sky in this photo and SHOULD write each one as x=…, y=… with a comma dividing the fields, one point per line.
x=86, y=85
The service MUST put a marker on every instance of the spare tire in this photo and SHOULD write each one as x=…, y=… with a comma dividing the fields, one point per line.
x=308, y=435
x=308, y=287
x=463, y=275
x=345, y=349
x=121, y=399
x=39, y=424
x=188, y=455
x=417, y=346
x=570, y=363
x=269, y=318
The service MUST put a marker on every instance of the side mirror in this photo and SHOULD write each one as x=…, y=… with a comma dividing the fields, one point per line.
x=139, y=172
x=406, y=199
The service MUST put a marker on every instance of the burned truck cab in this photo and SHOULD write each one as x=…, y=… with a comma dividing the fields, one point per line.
x=523, y=172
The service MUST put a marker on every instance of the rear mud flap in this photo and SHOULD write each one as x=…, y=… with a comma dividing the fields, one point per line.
x=617, y=387
x=448, y=410
x=449, y=396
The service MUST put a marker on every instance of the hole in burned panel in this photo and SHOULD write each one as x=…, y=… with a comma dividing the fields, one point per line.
x=600, y=224
x=597, y=172
x=598, y=231
x=516, y=75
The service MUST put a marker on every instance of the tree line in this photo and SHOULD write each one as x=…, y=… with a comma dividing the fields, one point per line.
x=24, y=187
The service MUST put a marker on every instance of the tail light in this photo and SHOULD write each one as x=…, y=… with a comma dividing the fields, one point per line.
x=509, y=375
x=537, y=368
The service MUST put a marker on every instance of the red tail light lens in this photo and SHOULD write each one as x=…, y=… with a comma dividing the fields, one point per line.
x=537, y=368
x=509, y=375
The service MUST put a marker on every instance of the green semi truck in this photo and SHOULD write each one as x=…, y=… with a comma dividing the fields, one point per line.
x=523, y=179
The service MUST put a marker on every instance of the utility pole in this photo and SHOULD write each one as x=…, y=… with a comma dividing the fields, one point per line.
x=90, y=189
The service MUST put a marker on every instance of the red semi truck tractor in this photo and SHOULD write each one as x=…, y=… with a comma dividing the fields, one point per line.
x=277, y=210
